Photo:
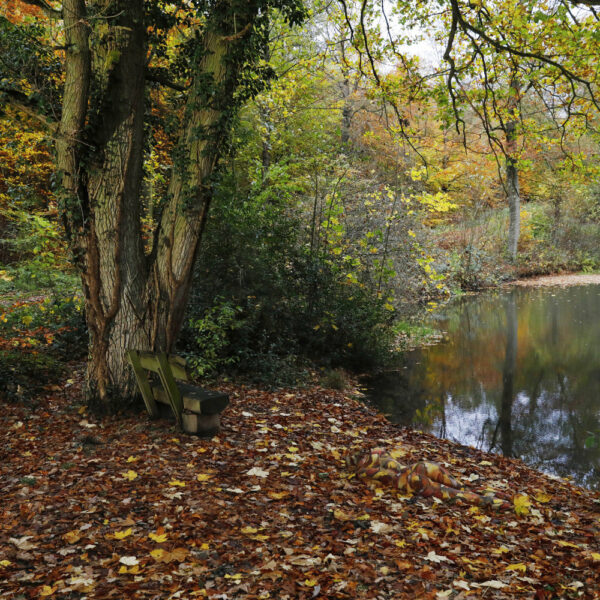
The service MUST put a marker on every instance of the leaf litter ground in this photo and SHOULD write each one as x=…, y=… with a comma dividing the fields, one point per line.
x=128, y=508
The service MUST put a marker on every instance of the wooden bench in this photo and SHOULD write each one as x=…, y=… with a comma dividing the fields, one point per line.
x=163, y=379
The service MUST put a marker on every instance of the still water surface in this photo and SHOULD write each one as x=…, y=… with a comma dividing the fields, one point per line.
x=518, y=374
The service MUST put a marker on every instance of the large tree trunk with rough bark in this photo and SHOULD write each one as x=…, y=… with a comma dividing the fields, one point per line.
x=132, y=299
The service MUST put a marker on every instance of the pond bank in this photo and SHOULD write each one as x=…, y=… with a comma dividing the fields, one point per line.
x=125, y=507
x=564, y=280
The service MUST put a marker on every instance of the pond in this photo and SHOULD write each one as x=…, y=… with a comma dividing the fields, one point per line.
x=517, y=374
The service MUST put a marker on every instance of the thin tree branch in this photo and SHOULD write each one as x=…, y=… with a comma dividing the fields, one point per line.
x=48, y=9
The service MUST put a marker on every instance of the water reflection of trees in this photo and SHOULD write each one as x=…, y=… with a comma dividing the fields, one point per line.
x=520, y=374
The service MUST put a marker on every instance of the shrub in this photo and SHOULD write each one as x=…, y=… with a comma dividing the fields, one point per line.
x=264, y=305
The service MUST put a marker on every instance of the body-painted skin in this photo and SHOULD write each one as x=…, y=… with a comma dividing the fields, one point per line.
x=424, y=478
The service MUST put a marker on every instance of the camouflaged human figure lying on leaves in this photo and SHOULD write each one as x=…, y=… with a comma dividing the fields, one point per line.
x=424, y=478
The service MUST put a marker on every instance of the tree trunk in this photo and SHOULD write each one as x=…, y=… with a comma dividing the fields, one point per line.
x=512, y=171
x=132, y=300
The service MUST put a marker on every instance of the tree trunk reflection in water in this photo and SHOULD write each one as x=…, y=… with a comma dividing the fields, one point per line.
x=504, y=425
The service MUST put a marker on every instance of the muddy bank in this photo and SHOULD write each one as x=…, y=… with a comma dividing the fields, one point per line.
x=565, y=280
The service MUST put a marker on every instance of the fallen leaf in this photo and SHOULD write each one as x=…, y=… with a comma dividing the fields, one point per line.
x=517, y=567
x=130, y=475
x=47, y=591
x=278, y=495
x=493, y=583
x=249, y=530
x=176, y=483
x=158, y=538
x=128, y=560
x=437, y=558
x=379, y=527
x=72, y=536
x=565, y=544
x=22, y=543
x=121, y=535
x=522, y=504
x=203, y=477
x=257, y=472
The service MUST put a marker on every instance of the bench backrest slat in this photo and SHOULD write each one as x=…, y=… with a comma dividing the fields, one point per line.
x=143, y=383
x=151, y=362
x=170, y=385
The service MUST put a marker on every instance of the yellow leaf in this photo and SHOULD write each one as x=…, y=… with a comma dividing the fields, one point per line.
x=397, y=453
x=121, y=535
x=249, y=530
x=522, y=504
x=130, y=475
x=517, y=567
x=336, y=454
x=176, y=483
x=542, y=497
x=205, y=546
x=158, y=538
x=203, y=477
x=567, y=544
x=157, y=554
x=237, y=576
x=72, y=536
x=340, y=515
x=131, y=459
x=7, y=563
x=47, y=590
x=595, y=557
x=278, y=495
x=310, y=582
x=292, y=449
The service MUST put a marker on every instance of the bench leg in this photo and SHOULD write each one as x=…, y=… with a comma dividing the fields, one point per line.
x=201, y=424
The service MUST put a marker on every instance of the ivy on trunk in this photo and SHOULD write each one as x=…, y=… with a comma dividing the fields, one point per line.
x=136, y=298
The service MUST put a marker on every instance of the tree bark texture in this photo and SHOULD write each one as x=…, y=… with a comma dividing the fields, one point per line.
x=512, y=171
x=132, y=300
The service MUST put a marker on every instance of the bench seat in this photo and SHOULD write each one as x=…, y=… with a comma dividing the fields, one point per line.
x=195, y=399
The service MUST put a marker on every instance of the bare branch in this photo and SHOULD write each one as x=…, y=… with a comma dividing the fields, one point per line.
x=48, y=9
x=157, y=76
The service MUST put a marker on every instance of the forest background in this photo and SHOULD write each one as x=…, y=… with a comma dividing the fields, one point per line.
x=360, y=184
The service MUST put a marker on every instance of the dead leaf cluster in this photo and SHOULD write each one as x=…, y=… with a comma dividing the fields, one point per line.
x=128, y=508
